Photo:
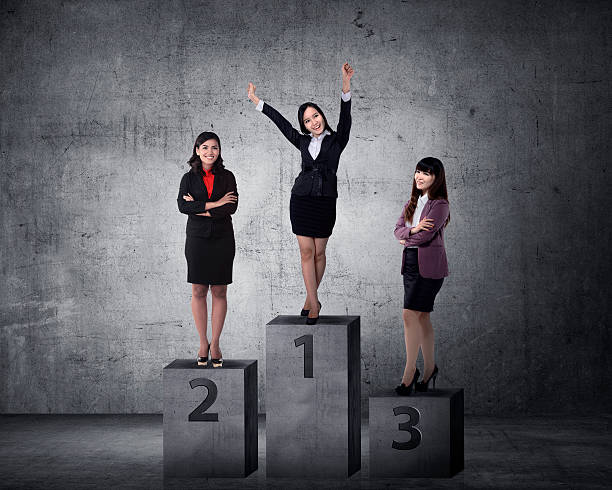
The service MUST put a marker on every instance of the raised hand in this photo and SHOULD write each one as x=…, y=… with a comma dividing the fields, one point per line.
x=347, y=74
x=347, y=71
x=251, y=93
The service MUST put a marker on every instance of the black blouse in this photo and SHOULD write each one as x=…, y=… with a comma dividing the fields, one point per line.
x=220, y=221
x=318, y=176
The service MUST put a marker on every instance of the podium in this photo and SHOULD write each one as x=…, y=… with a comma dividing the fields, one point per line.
x=210, y=419
x=420, y=435
x=313, y=426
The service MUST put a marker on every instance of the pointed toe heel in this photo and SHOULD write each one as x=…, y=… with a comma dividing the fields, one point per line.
x=423, y=386
x=403, y=390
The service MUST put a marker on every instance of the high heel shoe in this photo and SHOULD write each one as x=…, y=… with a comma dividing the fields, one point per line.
x=424, y=385
x=312, y=321
x=404, y=390
x=216, y=362
x=203, y=360
x=305, y=312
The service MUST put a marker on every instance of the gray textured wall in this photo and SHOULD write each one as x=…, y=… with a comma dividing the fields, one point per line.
x=100, y=105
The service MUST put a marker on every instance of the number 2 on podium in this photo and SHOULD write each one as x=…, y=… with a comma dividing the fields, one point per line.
x=306, y=341
x=198, y=414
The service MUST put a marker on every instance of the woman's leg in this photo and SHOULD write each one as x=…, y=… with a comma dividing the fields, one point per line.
x=320, y=259
x=219, y=310
x=200, y=314
x=427, y=345
x=307, y=254
x=412, y=338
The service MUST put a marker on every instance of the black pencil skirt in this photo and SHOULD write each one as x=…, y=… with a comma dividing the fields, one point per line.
x=419, y=292
x=312, y=216
x=210, y=260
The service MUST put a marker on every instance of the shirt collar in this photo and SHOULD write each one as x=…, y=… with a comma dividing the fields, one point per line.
x=424, y=198
x=320, y=137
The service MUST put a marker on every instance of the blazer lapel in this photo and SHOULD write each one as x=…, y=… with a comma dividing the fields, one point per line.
x=324, y=145
x=426, y=209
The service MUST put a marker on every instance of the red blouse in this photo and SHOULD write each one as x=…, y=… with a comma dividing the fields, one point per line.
x=209, y=180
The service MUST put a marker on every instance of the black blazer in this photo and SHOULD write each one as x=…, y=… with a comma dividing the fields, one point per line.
x=318, y=177
x=220, y=222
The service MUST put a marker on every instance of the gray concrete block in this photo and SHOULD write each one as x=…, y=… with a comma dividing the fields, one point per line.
x=210, y=419
x=313, y=397
x=416, y=436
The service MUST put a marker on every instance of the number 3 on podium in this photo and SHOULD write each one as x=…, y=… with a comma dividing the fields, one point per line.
x=409, y=426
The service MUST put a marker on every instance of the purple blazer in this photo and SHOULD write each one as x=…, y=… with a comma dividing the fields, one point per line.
x=432, y=256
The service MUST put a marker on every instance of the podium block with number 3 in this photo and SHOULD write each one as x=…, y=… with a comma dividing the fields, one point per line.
x=416, y=436
x=313, y=397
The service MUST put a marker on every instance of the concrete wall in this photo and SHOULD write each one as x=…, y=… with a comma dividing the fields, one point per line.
x=101, y=103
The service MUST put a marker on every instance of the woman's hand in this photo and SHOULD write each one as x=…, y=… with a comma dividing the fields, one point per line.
x=188, y=197
x=425, y=224
x=347, y=74
x=230, y=197
x=251, y=93
x=402, y=242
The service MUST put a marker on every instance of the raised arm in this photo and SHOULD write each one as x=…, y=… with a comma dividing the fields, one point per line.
x=288, y=131
x=188, y=207
x=344, y=123
x=438, y=213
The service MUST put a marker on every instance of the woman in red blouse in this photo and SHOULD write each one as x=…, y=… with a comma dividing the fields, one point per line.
x=208, y=195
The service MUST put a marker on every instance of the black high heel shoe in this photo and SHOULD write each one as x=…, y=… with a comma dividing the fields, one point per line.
x=312, y=321
x=424, y=385
x=203, y=360
x=404, y=390
x=305, y=312
x=216, y=362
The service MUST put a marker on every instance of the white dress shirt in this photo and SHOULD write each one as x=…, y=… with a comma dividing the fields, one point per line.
x=416, y=217
x=315, y=143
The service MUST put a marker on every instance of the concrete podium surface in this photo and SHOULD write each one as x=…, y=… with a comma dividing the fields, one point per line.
x=210, y=419
x=313, y=397
x=420, y=435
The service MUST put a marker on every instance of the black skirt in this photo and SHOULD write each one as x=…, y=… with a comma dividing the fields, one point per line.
x=312, y=216
x=419, y=292
x=210, y=260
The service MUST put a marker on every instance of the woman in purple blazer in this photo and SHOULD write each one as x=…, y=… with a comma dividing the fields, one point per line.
x=420, y=229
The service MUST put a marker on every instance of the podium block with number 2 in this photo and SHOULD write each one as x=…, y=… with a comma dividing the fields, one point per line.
x=210, y=419
x=313, y=397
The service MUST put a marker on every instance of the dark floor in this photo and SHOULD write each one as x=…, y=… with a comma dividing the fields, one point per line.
x=125, y=451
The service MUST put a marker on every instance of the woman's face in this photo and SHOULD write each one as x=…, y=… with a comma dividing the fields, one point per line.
x=423, y=180
x=313, y=121
x=208, y=152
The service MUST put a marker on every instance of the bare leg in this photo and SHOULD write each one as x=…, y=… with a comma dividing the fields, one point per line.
x=307, y=253
x=427, y=345
x=320, y=259
x=200, y=314
x=219, y=310
x=412, y=338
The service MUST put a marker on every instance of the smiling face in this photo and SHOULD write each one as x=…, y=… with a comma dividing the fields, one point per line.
x=313, y=121
x=208, y=153
x=423, y=180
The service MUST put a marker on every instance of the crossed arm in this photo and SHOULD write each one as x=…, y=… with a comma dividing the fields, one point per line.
x=426, y=229
x=214, y=209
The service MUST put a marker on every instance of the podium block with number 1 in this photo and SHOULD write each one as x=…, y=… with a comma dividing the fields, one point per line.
x=313, y=397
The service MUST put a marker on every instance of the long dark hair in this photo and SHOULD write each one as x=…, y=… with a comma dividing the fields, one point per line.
x=196, y=163
x=301, y=111
x=436, y=191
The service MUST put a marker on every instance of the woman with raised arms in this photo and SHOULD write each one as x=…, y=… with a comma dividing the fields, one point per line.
x=313, y=197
